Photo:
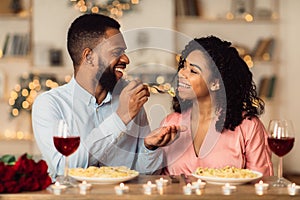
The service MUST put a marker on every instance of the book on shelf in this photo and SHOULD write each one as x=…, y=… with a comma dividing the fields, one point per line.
x=272, y=83
x=16, y=44
x=264, y=49
x=5, y=45
x=267, y=87
x=188, y=7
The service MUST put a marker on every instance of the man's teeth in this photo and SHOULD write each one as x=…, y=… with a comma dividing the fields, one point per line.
x=184, y=85
x=120, y=70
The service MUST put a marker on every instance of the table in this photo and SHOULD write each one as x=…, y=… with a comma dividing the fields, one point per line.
x=171, y=191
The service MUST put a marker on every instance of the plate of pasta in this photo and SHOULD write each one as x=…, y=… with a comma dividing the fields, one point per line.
x=103, y=175
x=232, y=175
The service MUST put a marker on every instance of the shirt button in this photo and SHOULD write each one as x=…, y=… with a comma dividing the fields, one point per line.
x=121, y=134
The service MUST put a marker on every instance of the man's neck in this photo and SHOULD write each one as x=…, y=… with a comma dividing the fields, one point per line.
x=92, y=86
x=100, y=94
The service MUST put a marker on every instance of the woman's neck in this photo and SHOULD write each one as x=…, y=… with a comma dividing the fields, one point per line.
x=203, y=110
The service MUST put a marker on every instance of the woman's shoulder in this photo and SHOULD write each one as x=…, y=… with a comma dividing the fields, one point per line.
x=252, y=126
x=251, y=122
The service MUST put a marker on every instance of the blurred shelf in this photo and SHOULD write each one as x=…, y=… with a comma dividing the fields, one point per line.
x=12, y=16
x=200, y=19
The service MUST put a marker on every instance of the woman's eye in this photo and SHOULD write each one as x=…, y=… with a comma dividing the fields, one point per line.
x=194, y=71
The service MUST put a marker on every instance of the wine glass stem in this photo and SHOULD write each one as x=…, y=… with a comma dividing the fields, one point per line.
x=66, y=172
x=280, y=168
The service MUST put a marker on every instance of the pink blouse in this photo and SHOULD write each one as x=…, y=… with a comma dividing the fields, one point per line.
x=245, y=147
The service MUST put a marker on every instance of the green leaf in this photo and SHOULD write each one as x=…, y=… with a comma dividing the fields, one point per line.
x=29, y=156
x=8, y=159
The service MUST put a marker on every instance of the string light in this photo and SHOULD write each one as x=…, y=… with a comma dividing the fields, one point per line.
x=112, y=8
x=24, y=94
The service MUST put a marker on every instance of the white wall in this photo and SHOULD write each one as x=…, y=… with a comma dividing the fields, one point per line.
x=288, y=90
x=51, y=19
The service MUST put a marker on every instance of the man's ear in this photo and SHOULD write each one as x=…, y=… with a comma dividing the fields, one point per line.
x=215, y=85
x=87, y=56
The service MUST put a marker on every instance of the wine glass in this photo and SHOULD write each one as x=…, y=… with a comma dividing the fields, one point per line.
x=281, y=140
x=66, y=143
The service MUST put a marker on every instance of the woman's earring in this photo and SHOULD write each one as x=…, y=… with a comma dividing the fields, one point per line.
x=215, y=87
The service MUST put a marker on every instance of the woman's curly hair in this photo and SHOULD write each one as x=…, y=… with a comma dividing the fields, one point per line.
x=237, y=98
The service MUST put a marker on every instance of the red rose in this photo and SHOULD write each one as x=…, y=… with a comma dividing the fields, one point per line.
x=40, y=168
x=9, y=173
x=45, y=182
x=1, y=188
x=24, y=175
x=24, y=165
x=12, y=186
x=29, y=183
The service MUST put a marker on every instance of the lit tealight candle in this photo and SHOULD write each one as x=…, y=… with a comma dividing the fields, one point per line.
x=261, y=187
x=293, y=189
x=198, y=191
x=187, y=189
x=121, y=189
x=57, y=188
x=199, y=184
x=148, y=187
x=161, y=182
x=228, y=189
x=84, y=186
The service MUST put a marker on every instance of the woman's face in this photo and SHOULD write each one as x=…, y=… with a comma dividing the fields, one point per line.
x=192, y=78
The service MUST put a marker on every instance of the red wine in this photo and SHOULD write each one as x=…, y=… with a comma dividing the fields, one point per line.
x=281, y=146
x=66, y=146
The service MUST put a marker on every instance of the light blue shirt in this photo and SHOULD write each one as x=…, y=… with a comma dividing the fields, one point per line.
x=104, y=138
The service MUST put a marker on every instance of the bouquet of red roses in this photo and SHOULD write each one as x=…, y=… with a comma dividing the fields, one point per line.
x=23, y=174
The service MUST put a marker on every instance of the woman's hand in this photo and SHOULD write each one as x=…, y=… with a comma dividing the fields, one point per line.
x=163, y=136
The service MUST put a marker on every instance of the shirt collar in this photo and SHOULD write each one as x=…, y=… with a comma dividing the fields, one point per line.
x=85, y=96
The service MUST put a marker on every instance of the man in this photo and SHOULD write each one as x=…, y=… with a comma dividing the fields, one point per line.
x=106, y=111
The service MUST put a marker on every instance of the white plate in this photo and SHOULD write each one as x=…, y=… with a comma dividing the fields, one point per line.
x=99, y=180
x=232, y=181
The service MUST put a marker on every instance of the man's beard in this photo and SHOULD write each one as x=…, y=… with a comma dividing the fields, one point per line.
x=109, y=82
x=108, y=79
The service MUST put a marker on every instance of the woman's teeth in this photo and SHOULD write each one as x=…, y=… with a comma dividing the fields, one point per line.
x=184, y=85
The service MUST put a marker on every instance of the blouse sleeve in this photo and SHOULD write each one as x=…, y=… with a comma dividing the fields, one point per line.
x=258, y=154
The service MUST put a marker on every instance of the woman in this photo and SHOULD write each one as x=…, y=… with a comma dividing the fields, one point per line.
x=217, y=101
